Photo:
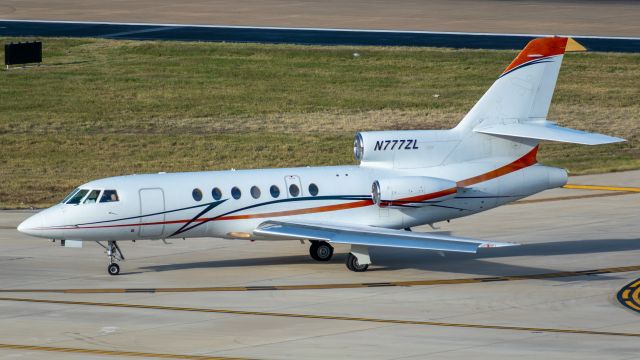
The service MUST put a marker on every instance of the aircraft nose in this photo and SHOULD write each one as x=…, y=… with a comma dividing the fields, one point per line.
x=31, y=224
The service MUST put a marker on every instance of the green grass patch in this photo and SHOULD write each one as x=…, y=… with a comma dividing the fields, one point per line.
x=98, y=108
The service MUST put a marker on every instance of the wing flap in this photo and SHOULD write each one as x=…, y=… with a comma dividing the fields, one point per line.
x=371, y=236
x=547, y=130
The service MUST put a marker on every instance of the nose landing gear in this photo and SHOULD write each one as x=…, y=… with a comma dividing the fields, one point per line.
x=113, y=269
x=115, y=254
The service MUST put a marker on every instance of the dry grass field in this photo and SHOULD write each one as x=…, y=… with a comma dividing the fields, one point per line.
x=98, y=108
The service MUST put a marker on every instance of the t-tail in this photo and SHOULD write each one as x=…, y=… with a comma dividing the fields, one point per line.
x=511, y=117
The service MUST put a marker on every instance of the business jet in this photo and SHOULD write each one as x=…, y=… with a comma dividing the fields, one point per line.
x=404, y=179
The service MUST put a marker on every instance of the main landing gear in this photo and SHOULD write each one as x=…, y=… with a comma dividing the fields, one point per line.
x=320, y=250
x=358, y=259
x=115, y=254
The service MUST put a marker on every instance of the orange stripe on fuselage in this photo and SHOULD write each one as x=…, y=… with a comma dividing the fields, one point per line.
x=526, y=160
x=351, y=205
x=433, y=195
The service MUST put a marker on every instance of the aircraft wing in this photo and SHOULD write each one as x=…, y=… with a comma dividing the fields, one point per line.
x=371, y=236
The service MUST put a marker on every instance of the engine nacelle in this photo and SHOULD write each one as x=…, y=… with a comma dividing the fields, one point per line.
x=382, y=146
x=403, y=149
x=412, y=191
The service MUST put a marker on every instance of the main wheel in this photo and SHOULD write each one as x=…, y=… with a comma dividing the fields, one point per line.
x=113, y=269
x=321, y=251
x=353, y=265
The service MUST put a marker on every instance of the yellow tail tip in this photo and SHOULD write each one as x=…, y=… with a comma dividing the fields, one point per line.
x=573, y=46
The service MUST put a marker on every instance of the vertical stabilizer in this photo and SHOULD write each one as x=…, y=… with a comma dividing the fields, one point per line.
x=521, y=95
x=524, y=89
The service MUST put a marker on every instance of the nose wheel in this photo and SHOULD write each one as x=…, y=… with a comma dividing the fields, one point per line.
x=114, y=254
x=321, y=251
x=113, y=269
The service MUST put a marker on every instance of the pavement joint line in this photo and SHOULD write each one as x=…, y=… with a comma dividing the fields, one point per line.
x=629, y=295
x=407, y=283
x=327, y=317
x=111, y=352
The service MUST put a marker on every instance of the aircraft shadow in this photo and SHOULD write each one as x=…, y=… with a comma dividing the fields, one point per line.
x=386, y=259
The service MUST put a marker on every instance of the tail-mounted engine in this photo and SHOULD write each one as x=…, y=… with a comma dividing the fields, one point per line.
x=411, y=191
x=403, y=149
x=382, y=146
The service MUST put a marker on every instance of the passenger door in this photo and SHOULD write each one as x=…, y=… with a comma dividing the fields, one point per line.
x=152, y=202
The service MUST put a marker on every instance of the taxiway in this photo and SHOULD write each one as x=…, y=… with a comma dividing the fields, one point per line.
x=555, y=296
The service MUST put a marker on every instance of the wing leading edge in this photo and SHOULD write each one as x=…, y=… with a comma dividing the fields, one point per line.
x=371, y=236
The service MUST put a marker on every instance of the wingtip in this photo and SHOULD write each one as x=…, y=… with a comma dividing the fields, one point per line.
x=488, y=245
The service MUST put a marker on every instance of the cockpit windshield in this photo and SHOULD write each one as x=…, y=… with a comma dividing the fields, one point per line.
x=77, y=197
x=92, y=198
x=70, y=195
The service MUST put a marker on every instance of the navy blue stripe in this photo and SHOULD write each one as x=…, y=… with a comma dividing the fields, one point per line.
x=296, y=36
x=215, y=203
x=344, y=197
x=533, y=62
x=449, y=207
x=211, y=205
x=201, y=213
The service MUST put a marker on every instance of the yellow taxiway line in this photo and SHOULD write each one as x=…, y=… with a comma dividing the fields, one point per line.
x=602, y=188
x=326, y=317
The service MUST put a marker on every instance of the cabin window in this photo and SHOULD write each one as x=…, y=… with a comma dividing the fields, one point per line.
x=294, y=190
x=236, y=193
x=77, y=197
x=275, y=191
x=197, y=194
x=92, y=198
x=109, y=196
x=313, y=189
x=216, y=193
x=255, y=192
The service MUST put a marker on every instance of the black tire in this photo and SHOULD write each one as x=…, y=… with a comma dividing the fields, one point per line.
x=353, y=265
x=321, y=251
x=113, y=269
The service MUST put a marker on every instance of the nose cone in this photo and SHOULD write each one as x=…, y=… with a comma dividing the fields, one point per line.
x=31, y=225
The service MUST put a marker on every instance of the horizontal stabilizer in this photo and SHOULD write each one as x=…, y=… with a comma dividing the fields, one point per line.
x=547, y=130
x=371, y=236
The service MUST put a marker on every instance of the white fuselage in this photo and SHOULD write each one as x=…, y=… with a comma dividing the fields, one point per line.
x=158, y=206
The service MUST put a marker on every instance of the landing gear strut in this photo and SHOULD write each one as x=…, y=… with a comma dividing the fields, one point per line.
x=115, y=254
x=320, y=250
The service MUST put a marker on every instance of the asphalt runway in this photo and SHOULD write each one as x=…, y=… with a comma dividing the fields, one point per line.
x=560, y=295
x=304, y=36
